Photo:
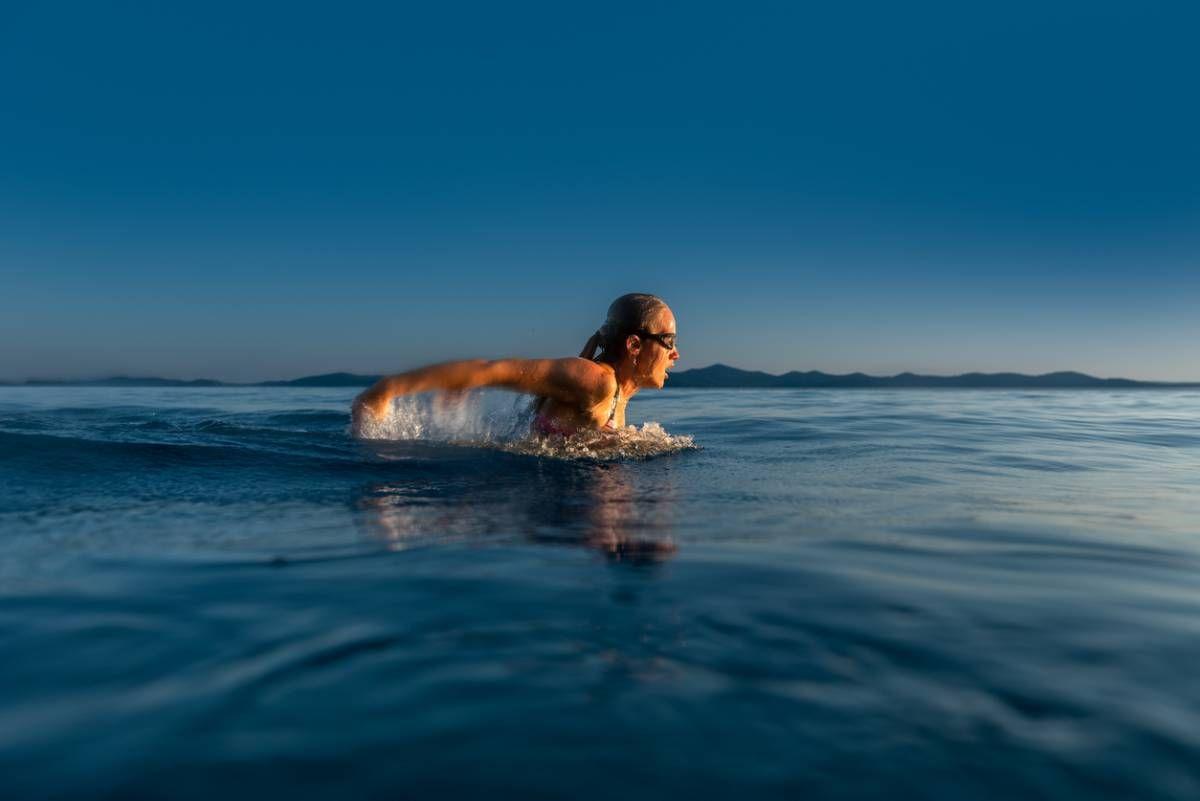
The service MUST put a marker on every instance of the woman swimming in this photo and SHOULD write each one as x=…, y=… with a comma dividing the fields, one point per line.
x=636, y=348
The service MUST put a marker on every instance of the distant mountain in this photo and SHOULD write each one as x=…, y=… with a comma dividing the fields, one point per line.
x=722, y=375
x=326, y=380
x=717, y=376
x=125, y=381
x=725, y=377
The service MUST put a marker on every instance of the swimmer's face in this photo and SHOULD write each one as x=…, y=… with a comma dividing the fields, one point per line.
x=655, y=358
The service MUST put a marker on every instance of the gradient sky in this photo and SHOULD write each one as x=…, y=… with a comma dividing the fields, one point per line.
x=248, y=191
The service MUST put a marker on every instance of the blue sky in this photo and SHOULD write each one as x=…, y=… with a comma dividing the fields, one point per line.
x=270, y=190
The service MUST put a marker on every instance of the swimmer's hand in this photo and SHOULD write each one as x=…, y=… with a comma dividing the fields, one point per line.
x=370, y=405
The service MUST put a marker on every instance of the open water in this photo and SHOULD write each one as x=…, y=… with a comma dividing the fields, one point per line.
x=221, y=593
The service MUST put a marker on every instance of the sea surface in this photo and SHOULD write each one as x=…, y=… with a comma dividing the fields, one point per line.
x=223, y=593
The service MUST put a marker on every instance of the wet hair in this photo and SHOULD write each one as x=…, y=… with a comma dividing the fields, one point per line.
x=627, y=315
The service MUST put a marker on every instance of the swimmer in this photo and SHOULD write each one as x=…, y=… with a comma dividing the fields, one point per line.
x=633, y=350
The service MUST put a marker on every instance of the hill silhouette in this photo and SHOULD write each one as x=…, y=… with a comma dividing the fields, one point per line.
x=725, y=377
x=716, y=376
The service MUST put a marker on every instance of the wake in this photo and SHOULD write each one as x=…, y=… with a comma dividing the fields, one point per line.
x=492, y=419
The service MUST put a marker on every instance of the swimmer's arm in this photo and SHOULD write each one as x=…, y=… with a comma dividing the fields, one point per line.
x=571, y=380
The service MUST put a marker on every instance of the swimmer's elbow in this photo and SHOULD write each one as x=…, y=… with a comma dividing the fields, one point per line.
x=509, y=374
x=564, y=379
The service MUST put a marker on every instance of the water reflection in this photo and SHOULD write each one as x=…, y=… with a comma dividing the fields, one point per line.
x=623, y=510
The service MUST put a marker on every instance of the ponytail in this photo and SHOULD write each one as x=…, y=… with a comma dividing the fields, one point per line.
x=593, y=345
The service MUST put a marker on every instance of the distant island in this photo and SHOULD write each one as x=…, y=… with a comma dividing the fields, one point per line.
x=720, y=376
x=717, y=376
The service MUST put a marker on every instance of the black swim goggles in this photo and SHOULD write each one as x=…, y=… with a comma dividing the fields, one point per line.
x=666, y=340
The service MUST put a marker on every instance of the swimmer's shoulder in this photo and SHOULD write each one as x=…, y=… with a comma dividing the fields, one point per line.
x=595, y=381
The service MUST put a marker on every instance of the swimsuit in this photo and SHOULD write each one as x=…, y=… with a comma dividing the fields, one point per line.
x=546, y=425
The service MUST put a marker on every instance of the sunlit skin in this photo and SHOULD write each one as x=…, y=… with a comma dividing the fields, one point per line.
x=579, y=392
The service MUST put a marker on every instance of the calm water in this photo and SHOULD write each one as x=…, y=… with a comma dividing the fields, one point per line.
x=838, y=594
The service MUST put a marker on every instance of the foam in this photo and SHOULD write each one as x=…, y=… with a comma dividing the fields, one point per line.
x=494, y=420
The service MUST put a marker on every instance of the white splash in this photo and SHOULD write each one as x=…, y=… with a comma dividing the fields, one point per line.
x=494, y=420
x=630, y=442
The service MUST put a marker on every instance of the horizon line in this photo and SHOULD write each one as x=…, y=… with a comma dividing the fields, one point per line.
x=125, y=377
